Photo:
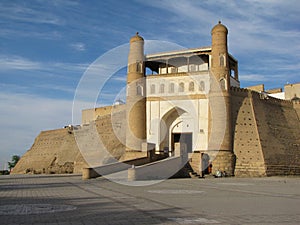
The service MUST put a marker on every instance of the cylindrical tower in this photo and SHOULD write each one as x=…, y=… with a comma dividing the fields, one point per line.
x=220, y=97
x=136, y=96
x=219, y=54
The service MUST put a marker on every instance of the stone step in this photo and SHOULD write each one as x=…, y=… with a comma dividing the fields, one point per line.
x=194, y=175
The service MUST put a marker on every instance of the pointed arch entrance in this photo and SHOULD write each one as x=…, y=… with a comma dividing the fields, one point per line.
x=174, y=128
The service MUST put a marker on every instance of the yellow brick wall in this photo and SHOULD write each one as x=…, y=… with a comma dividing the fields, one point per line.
x=266, y=135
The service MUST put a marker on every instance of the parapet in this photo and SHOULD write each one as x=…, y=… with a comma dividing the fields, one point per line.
x=89, y=115
x=237, y=91
x=258, y=88
x=263, y=96
x=268, y=99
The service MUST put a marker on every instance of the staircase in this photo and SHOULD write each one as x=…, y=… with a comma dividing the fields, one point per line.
x=192, y=173
x=187, y=171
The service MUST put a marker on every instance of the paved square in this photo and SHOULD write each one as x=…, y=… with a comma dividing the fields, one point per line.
x=66, y=199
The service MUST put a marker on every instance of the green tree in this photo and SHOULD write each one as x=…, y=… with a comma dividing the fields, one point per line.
x=14, y=160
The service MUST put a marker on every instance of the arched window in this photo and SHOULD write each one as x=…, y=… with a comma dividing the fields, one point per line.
x=191, y=86
x=152, y=89
x=192, y=68
x=181, y=87
x=173, y=69
x=162, y=88
x=139, y=90
x=222, y=60
x=223, y=84
x=202, y=86
x=139, y=66
x=171, y=88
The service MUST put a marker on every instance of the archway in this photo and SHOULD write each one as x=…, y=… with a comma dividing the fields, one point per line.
x=184, y=138
x=176, y=127
x=165, y=128
x=181, y=131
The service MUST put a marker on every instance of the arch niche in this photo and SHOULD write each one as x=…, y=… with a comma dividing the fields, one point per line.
x=171, y=130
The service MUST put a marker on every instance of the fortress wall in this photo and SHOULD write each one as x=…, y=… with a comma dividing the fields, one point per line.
x=247, y=147
x=297, y=108
x=292, y=90
x=69, y=150
x=89, y=115
x=100, y=141
x=111, y=129
x=279, y=131
x=87, y=139
x=53, y=151
x=266, y=134
x=258, y=88
x=195, y=161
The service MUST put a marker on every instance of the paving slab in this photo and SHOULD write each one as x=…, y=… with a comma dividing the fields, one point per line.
x=67, y=199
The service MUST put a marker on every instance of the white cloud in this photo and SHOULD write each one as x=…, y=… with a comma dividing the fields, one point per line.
x=30, y=33
x=254, y=26
x=253, y=77
x=28, y=13
x=78, y=46
x=65, y=89
x=36, y=74
x=17, y=63
x=24, y=116
x=121, y=79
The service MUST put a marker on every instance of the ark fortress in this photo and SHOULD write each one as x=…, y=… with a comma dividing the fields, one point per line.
x=189, y=106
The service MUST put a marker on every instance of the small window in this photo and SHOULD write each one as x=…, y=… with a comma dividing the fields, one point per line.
x=139, y=67
x=222, y=60
x=191, y=86
x=173, y=70
x=192, y=68
x=232, y=72
x=171, y=88
x=181, y=87
x=223, y=84
x=152, y=89
x=139, y=90
x=162, y=88
x=202, y=86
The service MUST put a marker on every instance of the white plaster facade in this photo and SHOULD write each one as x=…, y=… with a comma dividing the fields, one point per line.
x=177, y=105
x=175, y=111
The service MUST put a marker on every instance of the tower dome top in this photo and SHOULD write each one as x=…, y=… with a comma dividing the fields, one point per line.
x=219, y=28
x=136, y=37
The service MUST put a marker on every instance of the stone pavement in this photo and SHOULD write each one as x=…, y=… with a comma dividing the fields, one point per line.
x=66, y=199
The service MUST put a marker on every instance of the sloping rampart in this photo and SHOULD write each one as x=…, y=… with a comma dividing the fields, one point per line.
x=279, y=131
x=266, y=134
x=247, y=146
x=70, y=149
x=53, y=151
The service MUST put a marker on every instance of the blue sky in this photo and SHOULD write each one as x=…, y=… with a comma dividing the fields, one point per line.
x=46, y=46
